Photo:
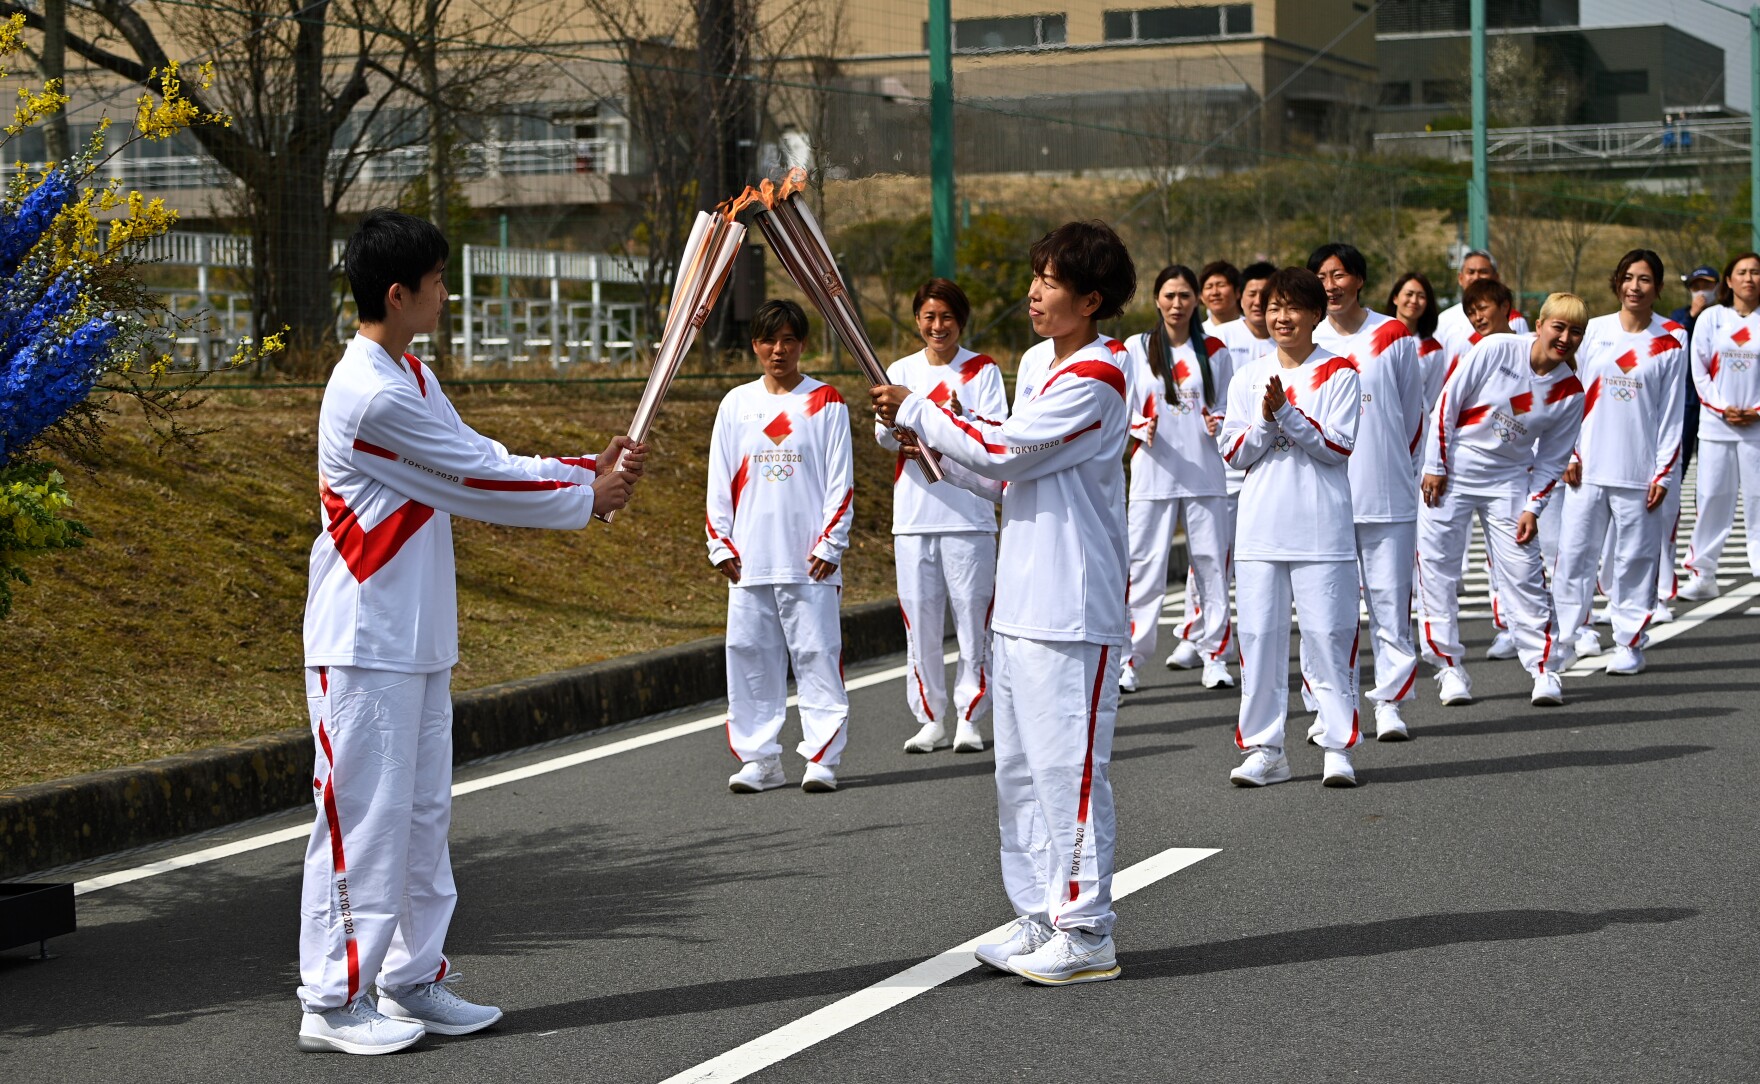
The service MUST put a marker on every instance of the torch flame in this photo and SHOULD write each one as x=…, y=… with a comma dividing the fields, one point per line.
x=731, y=208
x=794, y=181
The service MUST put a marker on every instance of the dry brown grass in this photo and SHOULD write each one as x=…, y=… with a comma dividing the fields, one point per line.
x=178, y=627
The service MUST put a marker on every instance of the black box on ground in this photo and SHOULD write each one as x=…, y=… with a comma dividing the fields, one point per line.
x=33, y=913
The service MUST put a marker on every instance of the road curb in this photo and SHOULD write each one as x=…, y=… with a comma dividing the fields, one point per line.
x=70, y=820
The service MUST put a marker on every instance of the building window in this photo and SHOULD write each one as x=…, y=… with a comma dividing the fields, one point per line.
x=1161, y=24
x=1014, y=32
x=1626, y=82
x=1396, y=94
x=1441, y=91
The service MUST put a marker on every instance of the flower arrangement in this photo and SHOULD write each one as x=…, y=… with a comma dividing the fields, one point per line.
x=74, y=318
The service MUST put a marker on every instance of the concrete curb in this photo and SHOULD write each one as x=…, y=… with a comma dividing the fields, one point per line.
x=71, y=820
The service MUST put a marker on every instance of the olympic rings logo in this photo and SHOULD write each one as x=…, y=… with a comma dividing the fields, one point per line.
x=1741, y=365
x=1624, y=394
x=778, y=472
x=1281, y=444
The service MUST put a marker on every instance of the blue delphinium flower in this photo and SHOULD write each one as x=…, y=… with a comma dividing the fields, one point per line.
x=47, y=377
x=24, y=226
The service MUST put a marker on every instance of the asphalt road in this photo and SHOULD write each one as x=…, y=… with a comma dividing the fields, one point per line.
x=1517, y=894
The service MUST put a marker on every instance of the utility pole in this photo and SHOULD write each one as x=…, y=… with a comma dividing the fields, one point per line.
x=55, y=67
x=1478, y=202
x=941, y=135
x=1754, y=127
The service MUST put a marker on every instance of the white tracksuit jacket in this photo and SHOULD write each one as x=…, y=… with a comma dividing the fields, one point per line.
x=395, y=463
x=781, y=482
x=1056, y=466
x=944, y=542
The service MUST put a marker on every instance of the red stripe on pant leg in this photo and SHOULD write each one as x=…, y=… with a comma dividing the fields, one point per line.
x=324, y=680
x=1088, y=764
x=1222, y=648
x=827, y=745
x=922, y=697
x=1546, y=652
x=730, y=748
x=1410, y=679
x=339, y=866
x=444, y=964
x=982, y=686
x=1356, y=712
x=1640, y=634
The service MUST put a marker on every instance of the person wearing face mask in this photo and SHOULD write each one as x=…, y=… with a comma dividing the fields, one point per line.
x=1178, y=380
x=1726, y=374
x=944, y=538
x=1627, y=458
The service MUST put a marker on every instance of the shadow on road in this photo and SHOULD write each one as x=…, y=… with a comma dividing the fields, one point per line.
x=1532, y=762
x=1531, y=721
x=1358, y=939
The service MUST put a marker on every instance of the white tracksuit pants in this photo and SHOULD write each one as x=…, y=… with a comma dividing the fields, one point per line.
x=1591, y=514
x=1056, y=702
x=1150, y=524
x=1726, y=468
x=378, y=891
x=769, y=628
x=1667, y=550
x=1523, y=599
x=933, y=571
x=1325, y=597
x=1386, y=557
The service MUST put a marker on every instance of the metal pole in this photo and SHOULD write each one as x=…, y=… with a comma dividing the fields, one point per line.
x=1754, y=127
x=558, y=341
x=941, y=134
x=470, y=313
x=1478, y=202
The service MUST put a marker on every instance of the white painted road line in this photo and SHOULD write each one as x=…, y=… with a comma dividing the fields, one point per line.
x=1686, y=622
x=543, y=767
x=839, y=1016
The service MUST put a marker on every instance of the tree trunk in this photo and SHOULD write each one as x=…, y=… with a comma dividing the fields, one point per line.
x=290, y=241
x=55, y=67
x=439, y=165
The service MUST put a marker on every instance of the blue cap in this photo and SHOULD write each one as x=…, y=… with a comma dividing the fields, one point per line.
x=1701, y=272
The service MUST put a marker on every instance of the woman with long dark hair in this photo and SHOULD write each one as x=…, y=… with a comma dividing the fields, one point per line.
x=1726, y=374
x=1178, y=388
x=1412, y=301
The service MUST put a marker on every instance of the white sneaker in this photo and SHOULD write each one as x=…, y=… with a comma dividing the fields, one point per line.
x=1315, y=729
x=1587, y=643
x=1699, y=589
x=967, y=738
x=818, y=779
x=1071, y=956
x=1661, y=615
x=1503, y=647
x=1216, y=675
x=1263, y=767
x=1185, y=657
x=1548, y=691
x=356, y=1028
x=930, y=737
x=756, y=775
x=1453, y=686
x=1388, y=725
x=1026, y=934
x=1626, y=661
x=438, y=1009
x=1339, y=772
x=1127, y=678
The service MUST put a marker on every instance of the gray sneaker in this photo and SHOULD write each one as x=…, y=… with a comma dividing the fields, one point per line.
x=438, y=1009
x=1071, y=956
x=356, y=1028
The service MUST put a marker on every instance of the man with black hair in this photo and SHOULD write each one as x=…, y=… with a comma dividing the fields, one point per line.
x=780, y=503
x=395, y=463
x=1060, y=631
x=1383, y=470
x=1220, y=289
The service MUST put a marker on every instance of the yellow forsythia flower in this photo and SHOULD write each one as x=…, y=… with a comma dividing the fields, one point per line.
x=172, y=112
x=34, y=106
